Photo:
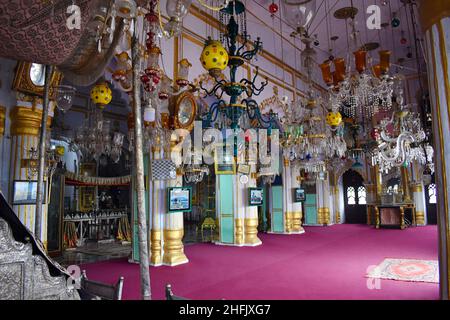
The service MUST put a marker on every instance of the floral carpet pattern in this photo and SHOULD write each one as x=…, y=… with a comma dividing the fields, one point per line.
x=407, y=270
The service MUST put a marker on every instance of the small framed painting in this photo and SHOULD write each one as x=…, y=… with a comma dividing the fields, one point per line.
x=179, y=199
x=255, y=196
x=244, y=169
x=25, y=192
x=299, y=195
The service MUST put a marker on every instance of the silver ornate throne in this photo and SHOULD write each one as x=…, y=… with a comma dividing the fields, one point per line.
x=26, y=272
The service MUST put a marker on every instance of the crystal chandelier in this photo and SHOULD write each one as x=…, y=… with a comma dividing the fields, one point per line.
x=194, y=173
x=95, y=138
x=361, y=93
x=400, y=139
x=311, y=133
x=53, y=156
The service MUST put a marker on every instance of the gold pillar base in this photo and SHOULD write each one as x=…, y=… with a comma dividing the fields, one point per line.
x=288, y=222
x=174, y=248
x=295, y=219
x=323, y=216
x=420, y=218
x=239, y=231
x=338, y=217
x=155, y=248
x=251, y=232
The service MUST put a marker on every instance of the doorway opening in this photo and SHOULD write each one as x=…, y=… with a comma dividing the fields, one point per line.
x=355, y=198
x=201, y=225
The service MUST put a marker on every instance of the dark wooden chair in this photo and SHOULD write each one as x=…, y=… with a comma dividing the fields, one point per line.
x=94, y=290
x=171, y=296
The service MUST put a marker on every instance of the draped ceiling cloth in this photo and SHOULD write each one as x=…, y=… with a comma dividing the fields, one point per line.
x=79, y=180
x=30, y=31
x=36, y=31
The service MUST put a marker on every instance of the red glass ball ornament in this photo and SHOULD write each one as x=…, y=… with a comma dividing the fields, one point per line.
x=403, y=41
x=273, y=8
x=145, y=78
x=375, y=134
x=151, y=17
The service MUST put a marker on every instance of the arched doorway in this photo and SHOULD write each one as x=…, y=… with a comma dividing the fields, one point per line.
x=354, y=198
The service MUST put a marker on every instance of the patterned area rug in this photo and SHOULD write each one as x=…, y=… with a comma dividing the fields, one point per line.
x=407, y=270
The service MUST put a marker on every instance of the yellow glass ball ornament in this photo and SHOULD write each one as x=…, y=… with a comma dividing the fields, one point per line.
x=334, y=118
x=214, y=57
x=101, y=94
x=60, y=150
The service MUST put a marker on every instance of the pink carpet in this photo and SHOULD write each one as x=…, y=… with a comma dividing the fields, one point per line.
x=323, y=263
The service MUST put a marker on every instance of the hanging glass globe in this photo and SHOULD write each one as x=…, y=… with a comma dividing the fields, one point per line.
x=101, y=94
x=214, y=57
x=178, y=8
x=64, y=97
x=298, y=13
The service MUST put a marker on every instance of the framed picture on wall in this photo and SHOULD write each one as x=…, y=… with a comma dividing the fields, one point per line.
x=25, y=192
x=299, y=195
x=244, y=169
x=255, y=196
x=179, y=199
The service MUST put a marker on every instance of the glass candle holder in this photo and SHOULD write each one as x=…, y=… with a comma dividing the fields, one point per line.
x=153, y=63
x=376, y=70
x=183, y=72
x=326, y=72
x=360, y=60
x=164, y=88
x=385, y=57
x=339, y=65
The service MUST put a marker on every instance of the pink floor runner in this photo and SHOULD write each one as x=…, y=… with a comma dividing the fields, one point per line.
x=324, y=263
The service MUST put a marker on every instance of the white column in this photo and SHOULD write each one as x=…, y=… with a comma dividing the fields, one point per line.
x=435, y=20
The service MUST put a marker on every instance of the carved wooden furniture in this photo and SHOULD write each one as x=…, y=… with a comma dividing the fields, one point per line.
x=94, y=290
x=393, y=215
x=208, y=223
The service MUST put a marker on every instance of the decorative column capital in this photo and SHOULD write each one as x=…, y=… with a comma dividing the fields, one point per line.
x=416, y=187
x=26, y=121
x=431, y=12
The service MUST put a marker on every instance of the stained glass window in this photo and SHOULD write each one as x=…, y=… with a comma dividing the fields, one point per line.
x=351, y=197
x=362, y=195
